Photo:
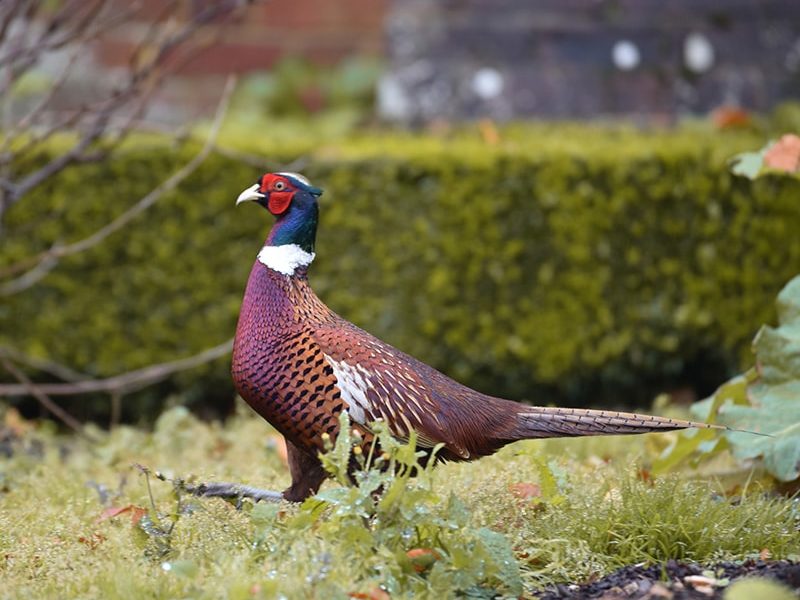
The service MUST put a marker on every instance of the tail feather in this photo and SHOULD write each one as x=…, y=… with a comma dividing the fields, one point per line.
x=545, y=422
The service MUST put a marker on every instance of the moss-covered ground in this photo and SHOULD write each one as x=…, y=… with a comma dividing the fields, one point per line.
x=78, y=520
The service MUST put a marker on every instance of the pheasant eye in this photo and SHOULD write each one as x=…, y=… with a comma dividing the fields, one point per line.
x=279, y=186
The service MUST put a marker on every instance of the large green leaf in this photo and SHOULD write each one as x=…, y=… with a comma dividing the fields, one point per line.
x=766, y=400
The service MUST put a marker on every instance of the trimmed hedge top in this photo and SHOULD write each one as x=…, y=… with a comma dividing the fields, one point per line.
x=565, y=264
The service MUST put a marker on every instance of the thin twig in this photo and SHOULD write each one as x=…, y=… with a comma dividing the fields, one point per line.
x=28, y=278
x=116, y=409
x=233, y=491
x=125, y=382
x=43, y=399
x=48, y=366
x=220, y=489
x=70, y=25
x=43, y=261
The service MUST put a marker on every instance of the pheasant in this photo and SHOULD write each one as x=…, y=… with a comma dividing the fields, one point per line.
x=299, y=365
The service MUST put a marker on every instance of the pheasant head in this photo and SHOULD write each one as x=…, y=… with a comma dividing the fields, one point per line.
x=292, y=199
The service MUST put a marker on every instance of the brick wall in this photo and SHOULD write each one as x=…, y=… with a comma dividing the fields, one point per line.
x=322, y=31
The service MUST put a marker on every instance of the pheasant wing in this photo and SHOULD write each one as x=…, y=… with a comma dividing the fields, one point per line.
x=378, y=381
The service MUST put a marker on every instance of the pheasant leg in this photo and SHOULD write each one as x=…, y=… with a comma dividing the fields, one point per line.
x=307, y=474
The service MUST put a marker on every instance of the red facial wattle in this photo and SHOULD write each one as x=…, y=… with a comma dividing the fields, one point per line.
x=280, y=193
x=279, y=202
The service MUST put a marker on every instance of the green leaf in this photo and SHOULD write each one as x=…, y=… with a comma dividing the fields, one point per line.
x=181, y=568
x=747, y=164
x=264, y=514
x=757, y=587
x=503, y=562
x=682, y=448
x=765, y=400
x=548, y=483
x=775, y=398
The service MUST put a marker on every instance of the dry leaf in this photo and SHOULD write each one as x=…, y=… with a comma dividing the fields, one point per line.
x=373, y=594
x=784, y=155
x=93, y=541
x=277, y=443
x=489, y=132
x=525, y=490
x=422, y=559
x=136, y=512
x=730, y=117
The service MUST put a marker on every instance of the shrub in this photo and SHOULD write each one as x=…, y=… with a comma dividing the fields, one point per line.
x=563, y=264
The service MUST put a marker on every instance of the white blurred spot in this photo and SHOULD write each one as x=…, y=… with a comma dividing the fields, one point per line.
x=393, y=102
x=698, y=53
x=625, y=55
x=487, y=83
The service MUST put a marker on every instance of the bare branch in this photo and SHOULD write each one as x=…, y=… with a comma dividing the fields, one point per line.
x=37, y=393
x=233, y=491
x=74, y=24
x=220, y=489
x=12, y=12
x=126, y=382
x=46, y=261
x=48, y=366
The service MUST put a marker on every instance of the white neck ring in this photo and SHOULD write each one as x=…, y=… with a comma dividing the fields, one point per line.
x=285, y=259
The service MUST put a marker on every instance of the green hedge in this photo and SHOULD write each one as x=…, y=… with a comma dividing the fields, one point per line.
x=565, y=265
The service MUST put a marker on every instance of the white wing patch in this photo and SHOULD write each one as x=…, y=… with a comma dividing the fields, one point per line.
x=285, y=258
x=353, y=382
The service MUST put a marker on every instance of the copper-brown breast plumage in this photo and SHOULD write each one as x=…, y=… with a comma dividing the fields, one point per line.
x=277, y=366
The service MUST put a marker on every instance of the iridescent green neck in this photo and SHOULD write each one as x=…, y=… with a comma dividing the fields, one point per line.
x=298, y=225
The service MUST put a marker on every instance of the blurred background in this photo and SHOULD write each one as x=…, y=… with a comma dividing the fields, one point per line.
x=532, y=196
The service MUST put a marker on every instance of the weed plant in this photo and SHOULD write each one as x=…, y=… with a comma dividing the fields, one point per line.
x=77, y=520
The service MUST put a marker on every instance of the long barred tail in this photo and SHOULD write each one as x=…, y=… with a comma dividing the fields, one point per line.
x=545, y=422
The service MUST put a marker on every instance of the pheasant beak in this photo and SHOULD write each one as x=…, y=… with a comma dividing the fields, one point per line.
x=250, y=194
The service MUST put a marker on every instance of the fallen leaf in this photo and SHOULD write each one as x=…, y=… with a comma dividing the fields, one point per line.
x=703, y=584
x=422, y=559
x=92, y=541
x=278, y=444
x=784, y=155
x=645, y=475
x=489, y=132
x=730, y=117
x=525, y=490
x=373, y=594
x=765, y=554
x=16, y=422
x=659, y=591
x=136, y=512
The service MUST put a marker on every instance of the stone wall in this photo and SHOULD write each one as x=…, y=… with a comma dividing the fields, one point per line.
x=452, y=59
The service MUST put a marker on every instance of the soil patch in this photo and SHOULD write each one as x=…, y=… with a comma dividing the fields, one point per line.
x=676, y=581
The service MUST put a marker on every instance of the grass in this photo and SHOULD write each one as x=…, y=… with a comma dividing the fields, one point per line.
x=593, y=511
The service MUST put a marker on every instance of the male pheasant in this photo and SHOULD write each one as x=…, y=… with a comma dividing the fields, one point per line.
x=299, y=365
